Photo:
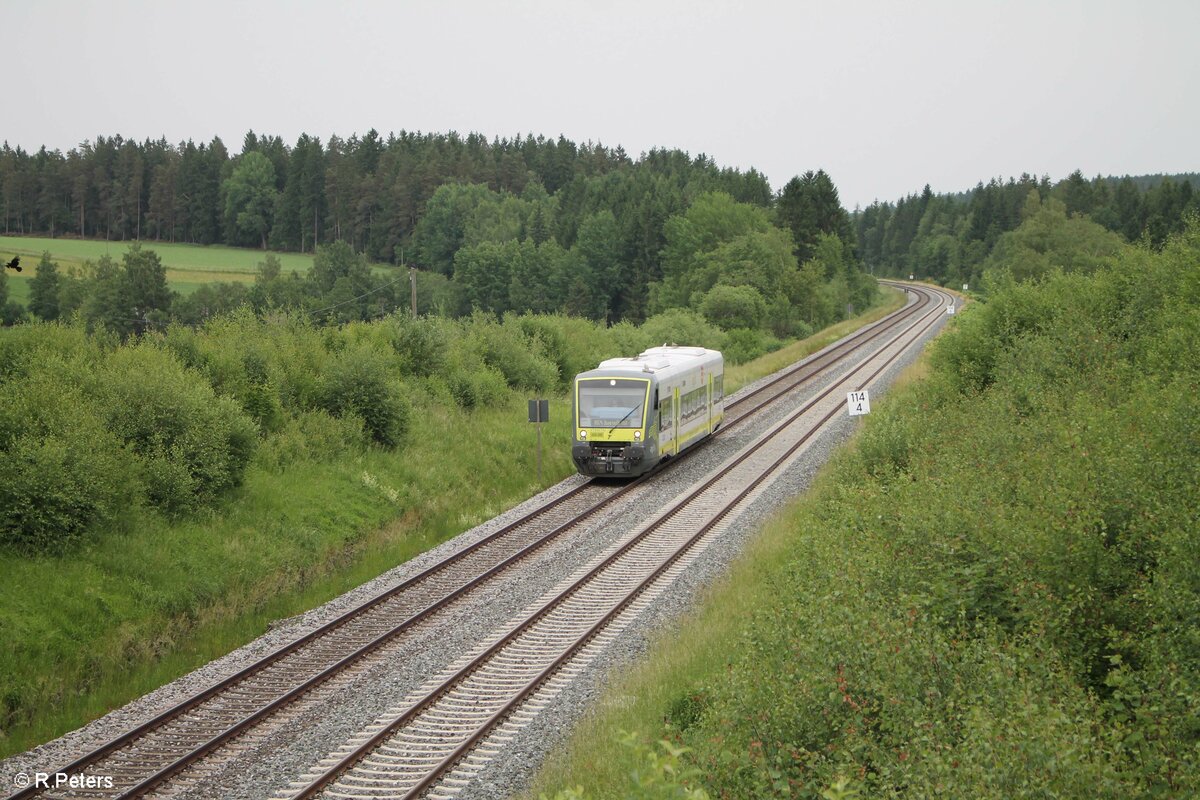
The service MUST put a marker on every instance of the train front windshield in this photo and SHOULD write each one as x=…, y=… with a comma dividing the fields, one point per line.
x=611, y=403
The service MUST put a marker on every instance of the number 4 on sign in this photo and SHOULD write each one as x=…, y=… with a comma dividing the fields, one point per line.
x=858, y=403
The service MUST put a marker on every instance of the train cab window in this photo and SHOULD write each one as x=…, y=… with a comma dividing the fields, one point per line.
x=611, y=403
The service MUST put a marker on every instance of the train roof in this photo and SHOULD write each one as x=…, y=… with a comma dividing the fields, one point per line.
x=662, y=361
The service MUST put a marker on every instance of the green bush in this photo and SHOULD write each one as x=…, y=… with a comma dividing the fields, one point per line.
x=475, y=387
x=55, y=486
x=746, y=344
x=358, y=382
x=628, y=340
x=734, y=307
x=506, y=348
x=423, y=344
x=60, y=470
x=193, y=443
x=573, y=344
x=315, y=436
x=682, y=327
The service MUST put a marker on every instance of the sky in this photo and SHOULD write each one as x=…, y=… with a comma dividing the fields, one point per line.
x=884, y=96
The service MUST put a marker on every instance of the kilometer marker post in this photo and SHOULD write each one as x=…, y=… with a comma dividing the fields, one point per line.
x=858, y=403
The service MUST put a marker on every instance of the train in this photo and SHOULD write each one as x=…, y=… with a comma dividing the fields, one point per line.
x=630, y=414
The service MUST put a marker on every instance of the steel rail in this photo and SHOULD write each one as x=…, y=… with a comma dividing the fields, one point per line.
x=386, y=733
x=848, y=344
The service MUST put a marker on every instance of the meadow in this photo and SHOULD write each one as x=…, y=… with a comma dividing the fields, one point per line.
x=189, y=266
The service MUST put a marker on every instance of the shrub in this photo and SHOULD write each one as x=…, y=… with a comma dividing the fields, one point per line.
x=506, y=348
x=478, y=386
x=682, y=327
x=313, y=435
x=357, y=382
x=744, y=344
x=60, y=470
x=54, y=487
x=422, y=344
x=733, y=307
x=627, y=340
x=28, y=348
x=194, y=444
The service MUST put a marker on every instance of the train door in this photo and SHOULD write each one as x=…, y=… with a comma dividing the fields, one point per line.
x=710, y=396
x=675, y=411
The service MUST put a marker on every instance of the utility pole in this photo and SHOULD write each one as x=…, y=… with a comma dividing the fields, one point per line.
x=412, y=282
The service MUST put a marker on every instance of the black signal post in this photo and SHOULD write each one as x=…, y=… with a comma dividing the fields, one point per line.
x=539, y=412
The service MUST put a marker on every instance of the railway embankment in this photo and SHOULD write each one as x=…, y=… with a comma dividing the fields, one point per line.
x=992, y=592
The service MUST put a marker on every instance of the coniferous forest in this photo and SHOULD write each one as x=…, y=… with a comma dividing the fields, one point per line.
x=525, y=224
x=954, y=238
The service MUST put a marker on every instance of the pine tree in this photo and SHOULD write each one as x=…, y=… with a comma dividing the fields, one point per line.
x=43, y=290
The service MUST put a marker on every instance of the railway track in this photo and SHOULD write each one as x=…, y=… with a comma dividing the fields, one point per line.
x=431, y=741
x=157, y=751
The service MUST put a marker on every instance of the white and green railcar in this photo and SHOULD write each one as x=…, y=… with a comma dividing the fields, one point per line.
x=631, y=413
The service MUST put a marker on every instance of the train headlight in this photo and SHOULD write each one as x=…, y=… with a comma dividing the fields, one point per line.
x=637, y=436
x=583, y=434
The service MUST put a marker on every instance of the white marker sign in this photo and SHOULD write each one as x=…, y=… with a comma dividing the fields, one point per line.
x=858, y=403
x=949, y=309
x=965, y=288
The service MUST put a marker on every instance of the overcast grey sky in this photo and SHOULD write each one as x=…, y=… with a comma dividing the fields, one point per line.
x=885, y=96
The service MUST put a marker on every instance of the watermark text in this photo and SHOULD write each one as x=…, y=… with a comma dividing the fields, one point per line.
x=61, y=780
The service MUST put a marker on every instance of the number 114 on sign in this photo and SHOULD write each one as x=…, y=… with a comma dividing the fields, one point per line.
x=858, y=403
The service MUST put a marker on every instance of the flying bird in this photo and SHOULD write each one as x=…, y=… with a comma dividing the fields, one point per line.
x=14, y=264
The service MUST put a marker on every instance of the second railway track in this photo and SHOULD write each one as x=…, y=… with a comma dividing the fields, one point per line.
x=437, y=730
x=152, y=754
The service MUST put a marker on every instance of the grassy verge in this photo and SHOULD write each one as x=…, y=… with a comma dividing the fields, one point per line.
x=152, y=599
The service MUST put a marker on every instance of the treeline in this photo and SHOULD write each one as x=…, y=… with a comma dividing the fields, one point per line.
x=367, y=191
x=527, y=224
x=947, y=237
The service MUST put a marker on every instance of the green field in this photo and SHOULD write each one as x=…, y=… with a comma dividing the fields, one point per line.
x=18, y=288
x=188, y=265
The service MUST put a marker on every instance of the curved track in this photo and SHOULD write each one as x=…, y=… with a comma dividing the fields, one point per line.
x=153, y=753
x=437, y=730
